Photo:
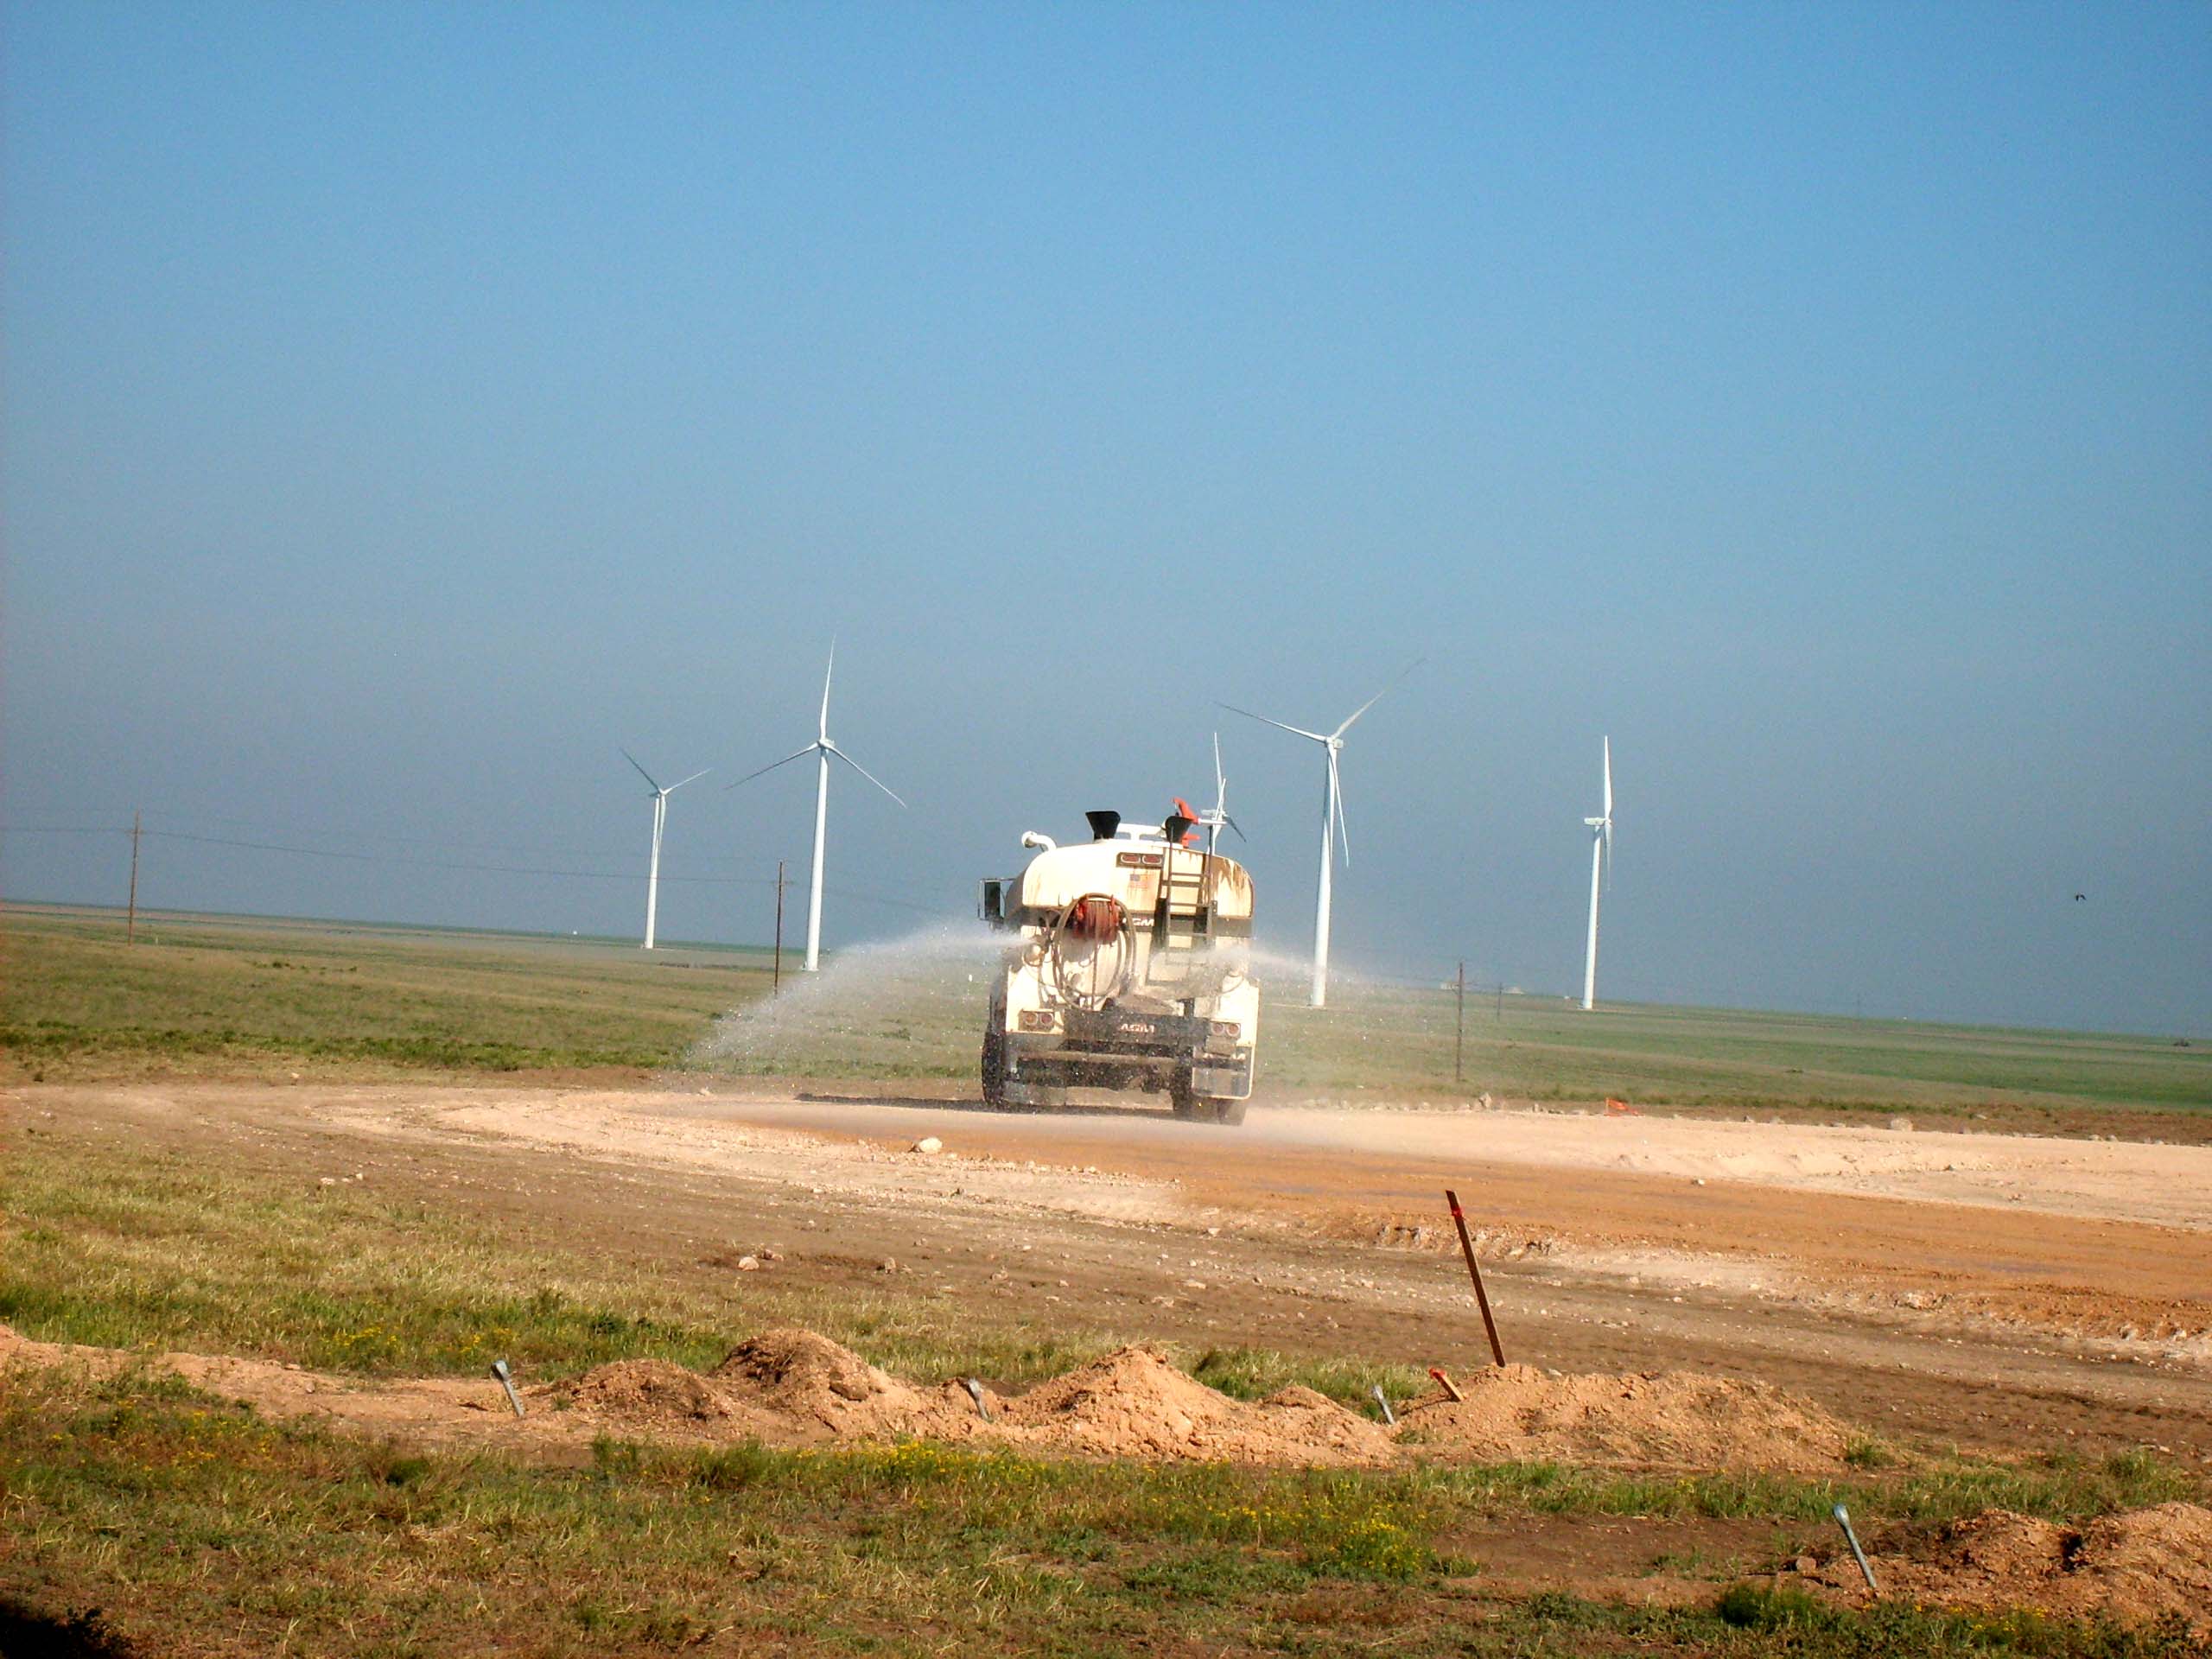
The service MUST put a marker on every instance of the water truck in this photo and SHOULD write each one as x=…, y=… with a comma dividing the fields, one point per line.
x=1127, y=966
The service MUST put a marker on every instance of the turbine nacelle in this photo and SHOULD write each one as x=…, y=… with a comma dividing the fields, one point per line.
x=659, y=793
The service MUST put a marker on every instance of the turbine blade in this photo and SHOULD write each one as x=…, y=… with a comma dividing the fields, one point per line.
x=1609, y=780
x=1378, y=697
x=865, y=773
x=693, y=779
x=1220, y=780
x=821, y=729
x=1277, y=724
x=795, y=755
x=642, y=773
x=1337, y=800
x=1233, y=824
x=1609, y=854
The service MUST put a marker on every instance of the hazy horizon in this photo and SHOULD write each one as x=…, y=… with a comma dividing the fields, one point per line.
x=406, y=410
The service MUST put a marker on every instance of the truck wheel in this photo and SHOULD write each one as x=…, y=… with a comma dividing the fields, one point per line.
x=994, y=1069
x=1181, y=1095
x=1230, y=1112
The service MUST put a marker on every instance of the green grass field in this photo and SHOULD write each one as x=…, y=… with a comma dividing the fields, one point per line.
x=193, y=1527
x=245, y=997
x=181, y=1524
x=248, y=996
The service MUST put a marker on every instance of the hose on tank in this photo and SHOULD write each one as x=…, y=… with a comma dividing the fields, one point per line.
x=1095, y=920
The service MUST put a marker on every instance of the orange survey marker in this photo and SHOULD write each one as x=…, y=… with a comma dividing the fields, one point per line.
x=1616, y=1107
x=1445, y=1382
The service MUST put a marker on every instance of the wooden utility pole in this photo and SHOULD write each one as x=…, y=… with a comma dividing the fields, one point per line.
x=131, y=923
x=1459, y=1034
x=1501, y=999
x=776, y=979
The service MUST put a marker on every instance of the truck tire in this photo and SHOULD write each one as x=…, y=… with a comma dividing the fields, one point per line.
x=993, y=1071
x=1230, y=1112
x=1181, y=1096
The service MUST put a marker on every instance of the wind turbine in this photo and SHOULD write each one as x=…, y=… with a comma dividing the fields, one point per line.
x=1332, y=823
x=1601, y=862
x=1214, y=820
x=821, y=748
x=1216, y=815
x=660, y=822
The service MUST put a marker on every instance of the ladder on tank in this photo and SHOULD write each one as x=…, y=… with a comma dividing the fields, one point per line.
x=1183, y=919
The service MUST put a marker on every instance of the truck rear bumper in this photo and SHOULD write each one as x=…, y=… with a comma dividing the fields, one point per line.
x=1218, y=1069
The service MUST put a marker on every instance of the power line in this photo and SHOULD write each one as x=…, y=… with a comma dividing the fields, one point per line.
x=344, y=834
x=445, y=864
x=524, y=849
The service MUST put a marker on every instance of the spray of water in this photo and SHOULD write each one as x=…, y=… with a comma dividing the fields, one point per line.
x=909, y=1007
x=914, y=1007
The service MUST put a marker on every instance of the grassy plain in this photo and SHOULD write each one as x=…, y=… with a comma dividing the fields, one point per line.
x=186, y=1525
x=225, y=1534
x=245, y=997
x=195, y=1526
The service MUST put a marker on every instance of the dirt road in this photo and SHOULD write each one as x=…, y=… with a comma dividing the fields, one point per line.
x=2000, y=1291
x=2084, y=1238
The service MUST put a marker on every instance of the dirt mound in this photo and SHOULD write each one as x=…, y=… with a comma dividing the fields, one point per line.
x=800, y=1374
x=651, y=1392
x=2140, y=1564
x=792, y=1386
x=1133, y=1404
x=1671, y=1419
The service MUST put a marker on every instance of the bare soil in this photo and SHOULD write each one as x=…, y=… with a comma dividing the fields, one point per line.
x=2058, y=1294
x=795, y=1387
x=2144, y=1564
x=1671, y=1419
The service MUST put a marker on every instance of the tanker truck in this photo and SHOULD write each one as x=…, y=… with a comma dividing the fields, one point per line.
x=1127, y=966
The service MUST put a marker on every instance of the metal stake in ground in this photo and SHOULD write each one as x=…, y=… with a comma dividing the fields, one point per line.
x=975, y=1393
x=1459, y=1032
x=506, y=1381
x=1843, y=1520
x=130, y=926
x=1482, y=1297
x=776, y=982
x=1383, y=1401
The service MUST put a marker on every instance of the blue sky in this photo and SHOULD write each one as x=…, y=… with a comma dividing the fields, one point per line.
x=405, y=406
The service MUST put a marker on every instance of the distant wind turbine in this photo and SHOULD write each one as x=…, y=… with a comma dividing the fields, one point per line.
x=1601, y=862
x=660, y=822
x=1332, y=823
x=1214, y=820
x=821, y=748
x=1213, y=817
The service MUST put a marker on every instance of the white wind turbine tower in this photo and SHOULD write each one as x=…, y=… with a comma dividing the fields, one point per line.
x=1601, y=862
x=1332, y=823
x=660, y=822
x=821, y=748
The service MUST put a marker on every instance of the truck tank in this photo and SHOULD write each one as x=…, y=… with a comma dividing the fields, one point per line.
x=1127, y=966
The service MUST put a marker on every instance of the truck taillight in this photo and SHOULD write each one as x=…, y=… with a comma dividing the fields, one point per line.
x=1228, y=1028
x=1039, y=1019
